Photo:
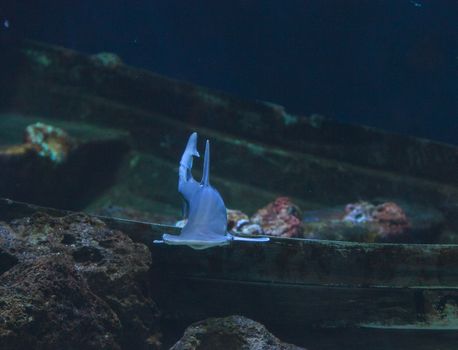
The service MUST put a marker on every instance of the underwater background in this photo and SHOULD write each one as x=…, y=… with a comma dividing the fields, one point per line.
x=228, y=175
x=390, y=64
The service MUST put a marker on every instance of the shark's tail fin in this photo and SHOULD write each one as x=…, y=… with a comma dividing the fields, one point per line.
x=206, y=172
x=190, y=151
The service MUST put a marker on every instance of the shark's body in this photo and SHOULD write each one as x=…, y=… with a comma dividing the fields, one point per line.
x=204, y=208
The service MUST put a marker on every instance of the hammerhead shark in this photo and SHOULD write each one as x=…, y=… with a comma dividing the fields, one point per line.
x=204, y=207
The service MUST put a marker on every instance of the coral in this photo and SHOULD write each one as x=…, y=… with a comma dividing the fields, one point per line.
x=358, y=213
x=390, y=219
x=234, y=217
x=280, y=218
x=246, y=227
x=51, y=142
x=386, y=219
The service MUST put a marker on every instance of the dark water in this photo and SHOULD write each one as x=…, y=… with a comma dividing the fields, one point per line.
x=333, y=131
x=390, y=64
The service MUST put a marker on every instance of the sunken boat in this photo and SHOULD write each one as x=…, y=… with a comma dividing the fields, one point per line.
x=307, y=289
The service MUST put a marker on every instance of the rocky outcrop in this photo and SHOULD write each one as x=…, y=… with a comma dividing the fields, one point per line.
x=71, y=282
x=47, y=304
x=230, y=333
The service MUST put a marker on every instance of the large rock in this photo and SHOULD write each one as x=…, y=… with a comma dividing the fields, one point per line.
x=230, y=333
x=48, y=305
x=104, y=263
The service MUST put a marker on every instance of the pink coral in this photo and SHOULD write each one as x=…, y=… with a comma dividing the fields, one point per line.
x=391, y=219
x=280, y=218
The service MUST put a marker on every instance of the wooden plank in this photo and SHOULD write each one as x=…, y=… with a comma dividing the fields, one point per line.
x=319, y=180
x=193, y=299
x=289, y=261
x=260, y=122
x=309, y=262
x=310, y=307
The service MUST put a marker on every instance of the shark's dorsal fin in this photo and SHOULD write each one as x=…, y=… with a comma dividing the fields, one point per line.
x=206, y=172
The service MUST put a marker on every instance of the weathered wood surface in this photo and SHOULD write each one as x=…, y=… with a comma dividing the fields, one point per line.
x=312, y=158
x=322, y=263
x=288, y=261
x=74, y=73
x=315, y=285
x=400, y=309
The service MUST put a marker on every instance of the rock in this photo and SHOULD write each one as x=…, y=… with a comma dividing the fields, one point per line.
x=114, y=268
x=107, y=59
x=46, y=304
x=281, y=218
x=7, y=243
x=230, y=333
